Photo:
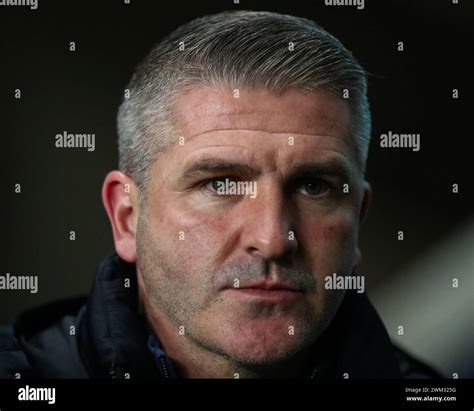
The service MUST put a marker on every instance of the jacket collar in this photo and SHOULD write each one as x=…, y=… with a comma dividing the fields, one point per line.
x=357, y=343
x=113, y=336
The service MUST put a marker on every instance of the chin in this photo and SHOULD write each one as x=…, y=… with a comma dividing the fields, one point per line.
x=264, y=342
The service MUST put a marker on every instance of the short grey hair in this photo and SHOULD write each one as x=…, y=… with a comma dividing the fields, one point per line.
x=240, y=49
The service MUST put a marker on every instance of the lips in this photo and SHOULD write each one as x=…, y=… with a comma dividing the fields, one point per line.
x=269, y=286
x=271, y=292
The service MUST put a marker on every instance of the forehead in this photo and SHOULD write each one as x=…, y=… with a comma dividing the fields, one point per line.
x=255, y=129
x=204, y=110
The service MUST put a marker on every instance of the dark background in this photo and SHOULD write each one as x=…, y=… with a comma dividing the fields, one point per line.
x=409, y=91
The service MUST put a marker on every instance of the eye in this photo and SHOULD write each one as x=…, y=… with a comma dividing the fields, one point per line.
x=313, y=187
x=218, y=185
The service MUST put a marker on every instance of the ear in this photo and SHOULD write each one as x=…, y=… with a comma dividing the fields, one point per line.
x=120, y=199
x=364, y=210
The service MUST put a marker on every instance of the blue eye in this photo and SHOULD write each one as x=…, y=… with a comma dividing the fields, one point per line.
x=313, y=187
x=214, y=185
x=218, y=184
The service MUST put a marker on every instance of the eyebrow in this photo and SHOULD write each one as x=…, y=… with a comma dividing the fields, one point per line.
x=219, y=166
x=332, y=168
x=210, y=165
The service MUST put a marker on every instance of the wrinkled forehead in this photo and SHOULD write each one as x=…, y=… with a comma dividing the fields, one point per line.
x=203, y=110
x=253, y=130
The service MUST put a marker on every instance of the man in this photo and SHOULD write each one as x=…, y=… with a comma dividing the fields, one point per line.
x=242, y=149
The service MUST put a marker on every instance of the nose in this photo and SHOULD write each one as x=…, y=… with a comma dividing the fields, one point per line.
x=267, y=232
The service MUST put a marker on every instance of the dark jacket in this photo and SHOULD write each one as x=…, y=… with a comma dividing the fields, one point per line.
x=103, y=336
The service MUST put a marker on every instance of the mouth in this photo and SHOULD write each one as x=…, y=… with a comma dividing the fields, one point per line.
x=272, y=293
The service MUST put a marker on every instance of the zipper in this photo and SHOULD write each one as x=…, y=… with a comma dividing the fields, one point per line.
x=164, y=369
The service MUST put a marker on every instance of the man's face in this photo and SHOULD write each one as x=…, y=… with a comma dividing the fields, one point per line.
x=245, y=276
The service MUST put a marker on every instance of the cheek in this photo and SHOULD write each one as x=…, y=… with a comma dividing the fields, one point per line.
x=190, y=235
x=329, y=243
